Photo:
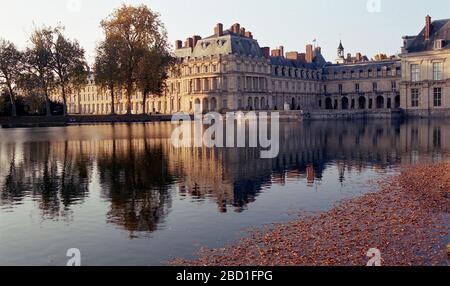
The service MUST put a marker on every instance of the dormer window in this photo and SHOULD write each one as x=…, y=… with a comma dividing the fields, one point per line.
x=438, y=44
x=205, y=45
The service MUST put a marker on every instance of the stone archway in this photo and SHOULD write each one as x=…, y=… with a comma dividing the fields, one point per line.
x=250, y=103
x=205, y=105
x=263, y=104
x=345, y=103
x=256, y=103
x=380, y=102
x=328, y=103
x=362, y=102
x=213, y=104
x=397, y=101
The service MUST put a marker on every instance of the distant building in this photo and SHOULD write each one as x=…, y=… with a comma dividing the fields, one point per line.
x=230, y=71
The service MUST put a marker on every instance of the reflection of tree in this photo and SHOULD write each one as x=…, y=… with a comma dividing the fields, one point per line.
x=137, y=183
x=13, y=189
x=55, y=184
x=137, y=170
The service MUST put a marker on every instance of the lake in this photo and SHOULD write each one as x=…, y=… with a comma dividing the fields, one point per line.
x=123, y=195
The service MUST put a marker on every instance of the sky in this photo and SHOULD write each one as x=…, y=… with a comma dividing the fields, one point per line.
x=366, y=26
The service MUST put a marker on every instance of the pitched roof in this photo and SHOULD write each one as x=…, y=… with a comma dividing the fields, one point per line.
x=229, y=43
x=440, y=30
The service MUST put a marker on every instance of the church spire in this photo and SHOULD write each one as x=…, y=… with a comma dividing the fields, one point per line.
x=341, y=47
x=340, y=53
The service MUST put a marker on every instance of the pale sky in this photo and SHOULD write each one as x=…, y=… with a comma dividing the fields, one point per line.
x=291, y=23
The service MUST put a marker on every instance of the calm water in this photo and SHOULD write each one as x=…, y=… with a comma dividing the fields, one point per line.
x=124, y=196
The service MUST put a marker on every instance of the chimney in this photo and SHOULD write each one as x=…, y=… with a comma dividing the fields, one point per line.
x=249, y=35
x=427, y=27
x=236, y=28
x=358, y=57
x=189, y=43
x=266, y=52
x=292, y=56
x=302, y=57
x=318, y=50
x=178, y=44
x=309, y=54
x=242, y=31
x=279, y=52
x=218, y=30
x=196, y=39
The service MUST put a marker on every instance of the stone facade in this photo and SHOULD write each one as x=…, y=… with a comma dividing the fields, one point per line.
x=425, y=84
x=230, y=71
x=363, y=86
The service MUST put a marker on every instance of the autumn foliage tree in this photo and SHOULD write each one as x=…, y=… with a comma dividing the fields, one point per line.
x=37, y=64
x=141, y=40
x=68, y=63
x=152, y=73
x=10, y=68
x=107, y=69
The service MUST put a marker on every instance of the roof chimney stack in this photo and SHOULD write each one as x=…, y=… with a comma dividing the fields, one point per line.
x=236, y=28
x=178, y=44
x=218, y=30
x=189, y=43
x=309, y=53
x=427, y=27
x=196, y=39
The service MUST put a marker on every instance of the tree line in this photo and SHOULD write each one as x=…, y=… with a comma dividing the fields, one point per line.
x=134, y=56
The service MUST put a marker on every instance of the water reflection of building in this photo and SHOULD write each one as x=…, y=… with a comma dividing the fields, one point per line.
x=138, y=170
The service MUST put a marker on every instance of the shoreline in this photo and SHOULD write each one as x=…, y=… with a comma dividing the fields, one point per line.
x=407, y=219
x=285, y=116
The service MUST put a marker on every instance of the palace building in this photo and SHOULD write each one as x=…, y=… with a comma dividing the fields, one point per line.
x=229, y=71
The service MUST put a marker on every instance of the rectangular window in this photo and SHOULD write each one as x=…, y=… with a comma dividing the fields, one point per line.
x=357, y=87
x=437, y=71
x=415, y=97
x=437, y=97
x=340, y=88
x=415, y=72
x=375, y=86
x=394, y=85
x=225, y=84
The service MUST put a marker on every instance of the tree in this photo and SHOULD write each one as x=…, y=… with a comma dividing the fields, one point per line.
x=68, y=63
x=37, y=64
x=135, y=30
x=10, y=68
x=153, y=72
x=107, y=68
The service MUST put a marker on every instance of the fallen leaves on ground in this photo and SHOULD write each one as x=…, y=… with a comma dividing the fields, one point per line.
x=407, y=220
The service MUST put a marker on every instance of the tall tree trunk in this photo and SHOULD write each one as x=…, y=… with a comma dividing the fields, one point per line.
x=144, y=102
x=113, y=103
x=48, y=110
x=12, y=99
x=63, y=90
x=47, y=99
x=129, y=94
